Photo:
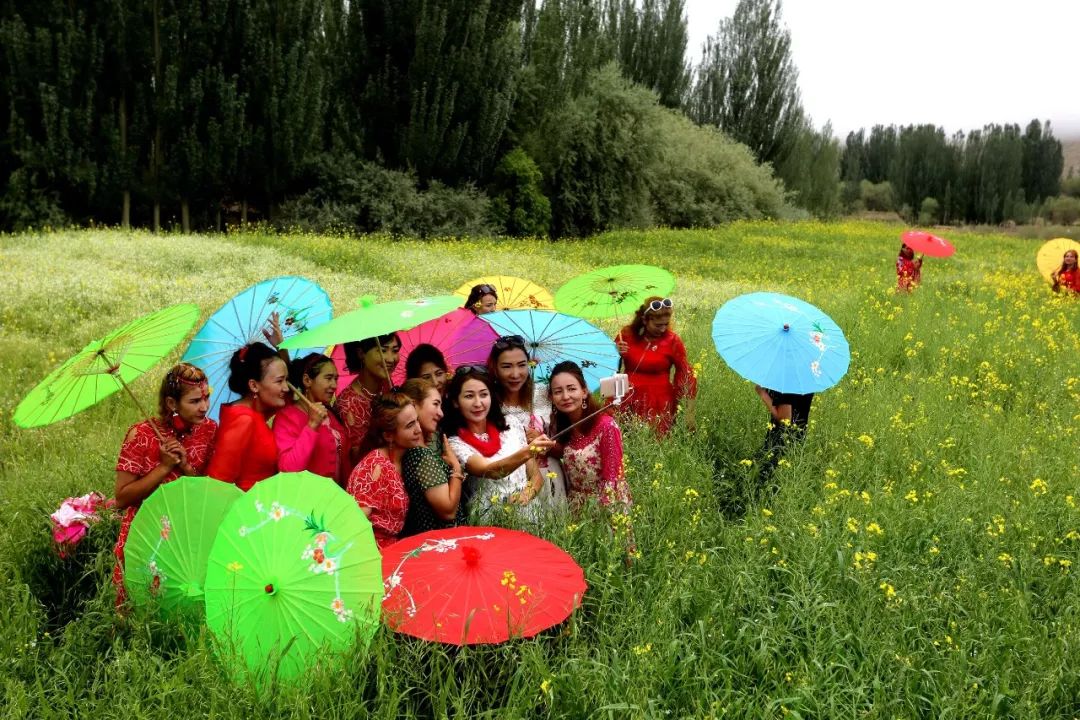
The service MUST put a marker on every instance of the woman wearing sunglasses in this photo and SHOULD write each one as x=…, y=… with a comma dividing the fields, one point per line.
x=482, y=299
x=499, y=461
x=528, y=403
x=650, y=350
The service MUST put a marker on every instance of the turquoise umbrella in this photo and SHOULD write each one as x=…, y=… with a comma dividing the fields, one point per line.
x=300, y=305
x=781, y=343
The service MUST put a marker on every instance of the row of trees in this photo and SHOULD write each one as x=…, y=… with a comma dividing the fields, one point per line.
x=990, y=175
x=141, y=111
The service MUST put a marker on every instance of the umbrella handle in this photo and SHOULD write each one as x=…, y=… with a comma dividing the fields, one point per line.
x=382, y=359
x=138, y=405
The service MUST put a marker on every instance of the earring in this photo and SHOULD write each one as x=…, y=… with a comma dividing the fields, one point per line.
x=584, y=403
x=177, y=422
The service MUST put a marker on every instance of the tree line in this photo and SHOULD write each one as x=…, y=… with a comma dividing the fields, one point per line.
x=567, y=116
x=992, y=175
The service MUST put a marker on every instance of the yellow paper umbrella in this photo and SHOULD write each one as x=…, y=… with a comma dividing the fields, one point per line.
x=514, y=293
x=1051, y=253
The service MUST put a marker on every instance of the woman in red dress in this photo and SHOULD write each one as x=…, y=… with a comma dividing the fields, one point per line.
x=376, y=482
x=1068, y=275
x=245, y=452
x=908, y=269
x=146, y=462
x=373, y=360
x=309, y=436
x=650, y=350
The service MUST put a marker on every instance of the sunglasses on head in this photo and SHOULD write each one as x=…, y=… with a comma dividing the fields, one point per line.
x=658, y=305
x=486, y=289
x=466, y=369
x=509, y=341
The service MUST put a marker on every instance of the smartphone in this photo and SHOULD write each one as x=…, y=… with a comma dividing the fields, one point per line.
x=614, y=387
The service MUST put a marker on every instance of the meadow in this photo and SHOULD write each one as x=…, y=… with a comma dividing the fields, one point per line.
x=918, y=558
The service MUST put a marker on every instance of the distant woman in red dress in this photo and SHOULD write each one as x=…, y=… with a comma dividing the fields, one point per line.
x=373, y=360
x=650, y=351
x=908, y=269
x=308, y=434
x=1067, y=276
x=245, y=452
x=146, y=462
x=376, y=482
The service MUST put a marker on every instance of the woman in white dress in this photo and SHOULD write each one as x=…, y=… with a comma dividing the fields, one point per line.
x=499, y=461
x=529, y=403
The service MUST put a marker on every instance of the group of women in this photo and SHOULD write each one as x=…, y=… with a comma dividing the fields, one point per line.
x=449, y=446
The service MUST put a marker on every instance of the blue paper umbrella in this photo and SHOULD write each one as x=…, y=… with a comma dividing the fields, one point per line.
x=552, y=337
x=781, y=343
x=300, y=304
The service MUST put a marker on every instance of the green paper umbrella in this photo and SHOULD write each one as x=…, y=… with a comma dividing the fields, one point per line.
x=105, y=366
x=373, y=319
x=612, y=291
x=294, y=578
x=170, y=540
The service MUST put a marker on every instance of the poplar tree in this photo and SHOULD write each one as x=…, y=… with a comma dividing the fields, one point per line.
x=747, y=83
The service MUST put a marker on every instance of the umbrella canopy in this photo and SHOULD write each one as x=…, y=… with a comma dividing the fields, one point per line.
x=473, y=585
x=514, y=293
x=781, y=343
x=293, y=573
x=105, y=366
x=461, y=336
x=373, y=319
x=300, y=305
x=552, y=337
x=927, y=244
x=169, y=543
x=613, y=291
x=1051, y=254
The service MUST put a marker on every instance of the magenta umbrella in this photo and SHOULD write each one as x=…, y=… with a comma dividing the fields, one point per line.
x=461, y=336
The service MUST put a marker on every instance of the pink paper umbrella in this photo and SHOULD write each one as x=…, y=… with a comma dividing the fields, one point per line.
x=462, y=337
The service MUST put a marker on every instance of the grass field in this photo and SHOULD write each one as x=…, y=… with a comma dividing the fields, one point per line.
x=920, y=558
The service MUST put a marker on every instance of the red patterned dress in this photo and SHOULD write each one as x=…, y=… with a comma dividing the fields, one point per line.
x=354, y=409
x=648, y=364
x=593, y=464
x=908, y=273
x=377, y=484
x=140, y=454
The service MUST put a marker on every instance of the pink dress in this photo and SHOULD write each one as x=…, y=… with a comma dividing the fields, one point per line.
x=140, y=454
x=321, y=451
x=383, y=492
x=593, y=464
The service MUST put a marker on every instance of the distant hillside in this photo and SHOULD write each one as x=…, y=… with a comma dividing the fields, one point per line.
x=1072, y=155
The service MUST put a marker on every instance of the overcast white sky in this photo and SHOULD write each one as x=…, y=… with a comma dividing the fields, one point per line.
x=956, y=63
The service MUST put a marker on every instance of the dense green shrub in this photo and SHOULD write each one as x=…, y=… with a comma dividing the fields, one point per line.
x=518, y=203
x=1061, y=210
x=594, y=152
x=700, y=177
x=877, y=196
x=351, y=194
x=929, y=211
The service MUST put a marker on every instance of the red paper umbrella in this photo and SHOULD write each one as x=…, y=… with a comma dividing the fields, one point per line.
x=927, y=244
x=462, y=337
x=473, y=585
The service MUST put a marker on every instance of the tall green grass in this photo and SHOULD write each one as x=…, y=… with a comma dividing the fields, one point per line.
x=919, y=557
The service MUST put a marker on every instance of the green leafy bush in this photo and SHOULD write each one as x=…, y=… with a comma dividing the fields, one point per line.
x=929, y=211
x=877, y=196
x=518, y=203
